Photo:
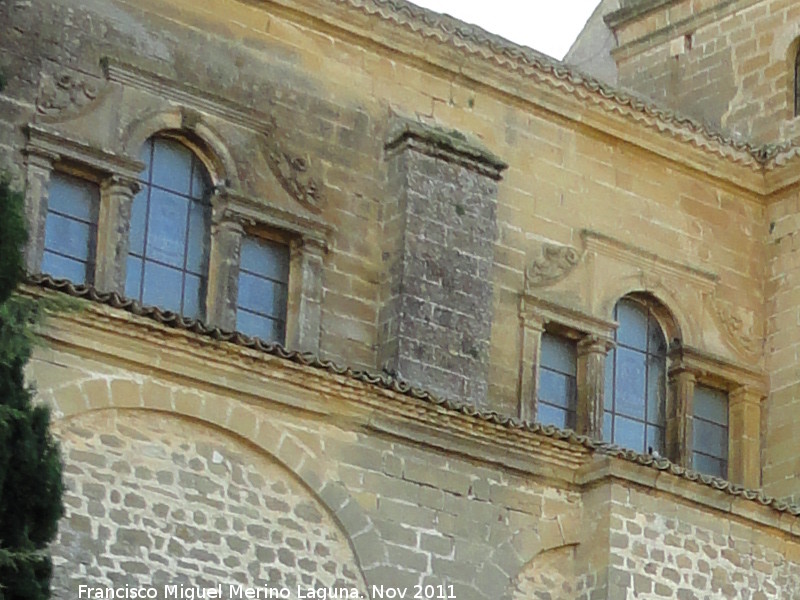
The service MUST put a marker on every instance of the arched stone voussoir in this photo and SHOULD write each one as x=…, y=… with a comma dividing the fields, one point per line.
x=243, y=422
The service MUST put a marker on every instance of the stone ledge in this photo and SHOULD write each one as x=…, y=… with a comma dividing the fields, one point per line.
x=448, y=144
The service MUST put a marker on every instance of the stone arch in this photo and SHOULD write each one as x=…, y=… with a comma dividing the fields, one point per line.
x=784, y=50
x=200, y=135
x=670, y=313
x=238, y=421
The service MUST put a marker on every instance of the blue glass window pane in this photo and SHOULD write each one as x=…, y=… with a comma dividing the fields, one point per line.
x=551, y=415
x=656, y=389
x=200, y=185
x=261, y=295
x=265, y=258
x=172, y=166
x=608, y=391
x=192, y=296
x=710, y=466
x=73, y=197
x=67, y=236
x=711, y=404
x=138, y=218
x=162, y=286
x=629, y=434
x=710, y=438
x=557, y=389
x=133, y=277
x=197, y=251
x=166, y=228
x=655, y=439
x=656, y=340
x=258, y=326
x=559, y=354
x=607, y=419
x=632, y=318
x=62, y=267
x=630, y=383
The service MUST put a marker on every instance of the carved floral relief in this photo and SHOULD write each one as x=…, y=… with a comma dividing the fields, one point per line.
x=64, y=93
x=554, y=263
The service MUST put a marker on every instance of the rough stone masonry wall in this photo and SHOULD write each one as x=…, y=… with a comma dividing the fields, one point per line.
x=660, y=549
x=438, y=316
x=159, y=502
x=731, y=71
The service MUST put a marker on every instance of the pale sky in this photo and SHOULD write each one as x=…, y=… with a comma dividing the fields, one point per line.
x=549, y=26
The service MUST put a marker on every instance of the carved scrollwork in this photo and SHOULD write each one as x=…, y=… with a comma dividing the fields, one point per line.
x=554, y=263
x=294, y=175
x=738, y=325
x=64, y=93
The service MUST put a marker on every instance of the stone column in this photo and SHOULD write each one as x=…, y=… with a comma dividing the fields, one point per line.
x=113, y=228
x=532, y=329
x=680, y=418
x=591, y=377
x=223, y=272
x=37, y=183
x=304, y=312
x=744, y=437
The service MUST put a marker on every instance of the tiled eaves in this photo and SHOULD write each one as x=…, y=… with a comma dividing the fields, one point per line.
x=477, y=41
x=393, y=384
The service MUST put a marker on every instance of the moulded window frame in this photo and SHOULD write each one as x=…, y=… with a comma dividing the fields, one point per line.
x=90, y=176
x=657, y=312
x=200, y=154
x=263, y=232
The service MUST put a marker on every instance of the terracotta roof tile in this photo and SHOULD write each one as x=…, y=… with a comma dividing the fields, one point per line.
x=171, y=319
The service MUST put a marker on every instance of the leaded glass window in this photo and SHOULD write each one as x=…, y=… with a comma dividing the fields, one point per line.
x=636, y=382
x=70, y=238
x=262, y=290
x=710, y=431
x=169, y=233
x=557, y=388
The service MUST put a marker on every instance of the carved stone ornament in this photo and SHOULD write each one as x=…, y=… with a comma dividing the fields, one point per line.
x=554, y=263
x=738, y=325
x=293, y=174
x=65, y=92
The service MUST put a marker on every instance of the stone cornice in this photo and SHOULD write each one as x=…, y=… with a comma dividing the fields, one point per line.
x=196, y=349
x=632, y=10
x=534, y=78
x=717, y=370
x=42, y=140
x=449, y=145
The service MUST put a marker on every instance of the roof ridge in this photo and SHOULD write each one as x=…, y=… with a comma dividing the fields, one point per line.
x=388, y=382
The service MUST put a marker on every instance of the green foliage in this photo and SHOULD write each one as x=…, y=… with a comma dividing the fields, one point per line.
x=12, y=239
x=31, y=485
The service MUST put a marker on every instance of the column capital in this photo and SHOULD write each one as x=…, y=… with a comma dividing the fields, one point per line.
x=117, y=184
x=308, y=244
x=39, y=157
x=594, y=344
x=745, y=395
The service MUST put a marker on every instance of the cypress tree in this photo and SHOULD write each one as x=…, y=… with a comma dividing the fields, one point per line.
x=30, y=465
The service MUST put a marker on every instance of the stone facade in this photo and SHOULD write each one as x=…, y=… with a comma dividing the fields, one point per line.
x=446, y=199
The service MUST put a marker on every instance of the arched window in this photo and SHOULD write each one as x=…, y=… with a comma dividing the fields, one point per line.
x=636, y=381
x=169, y=231
x=797, y=83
